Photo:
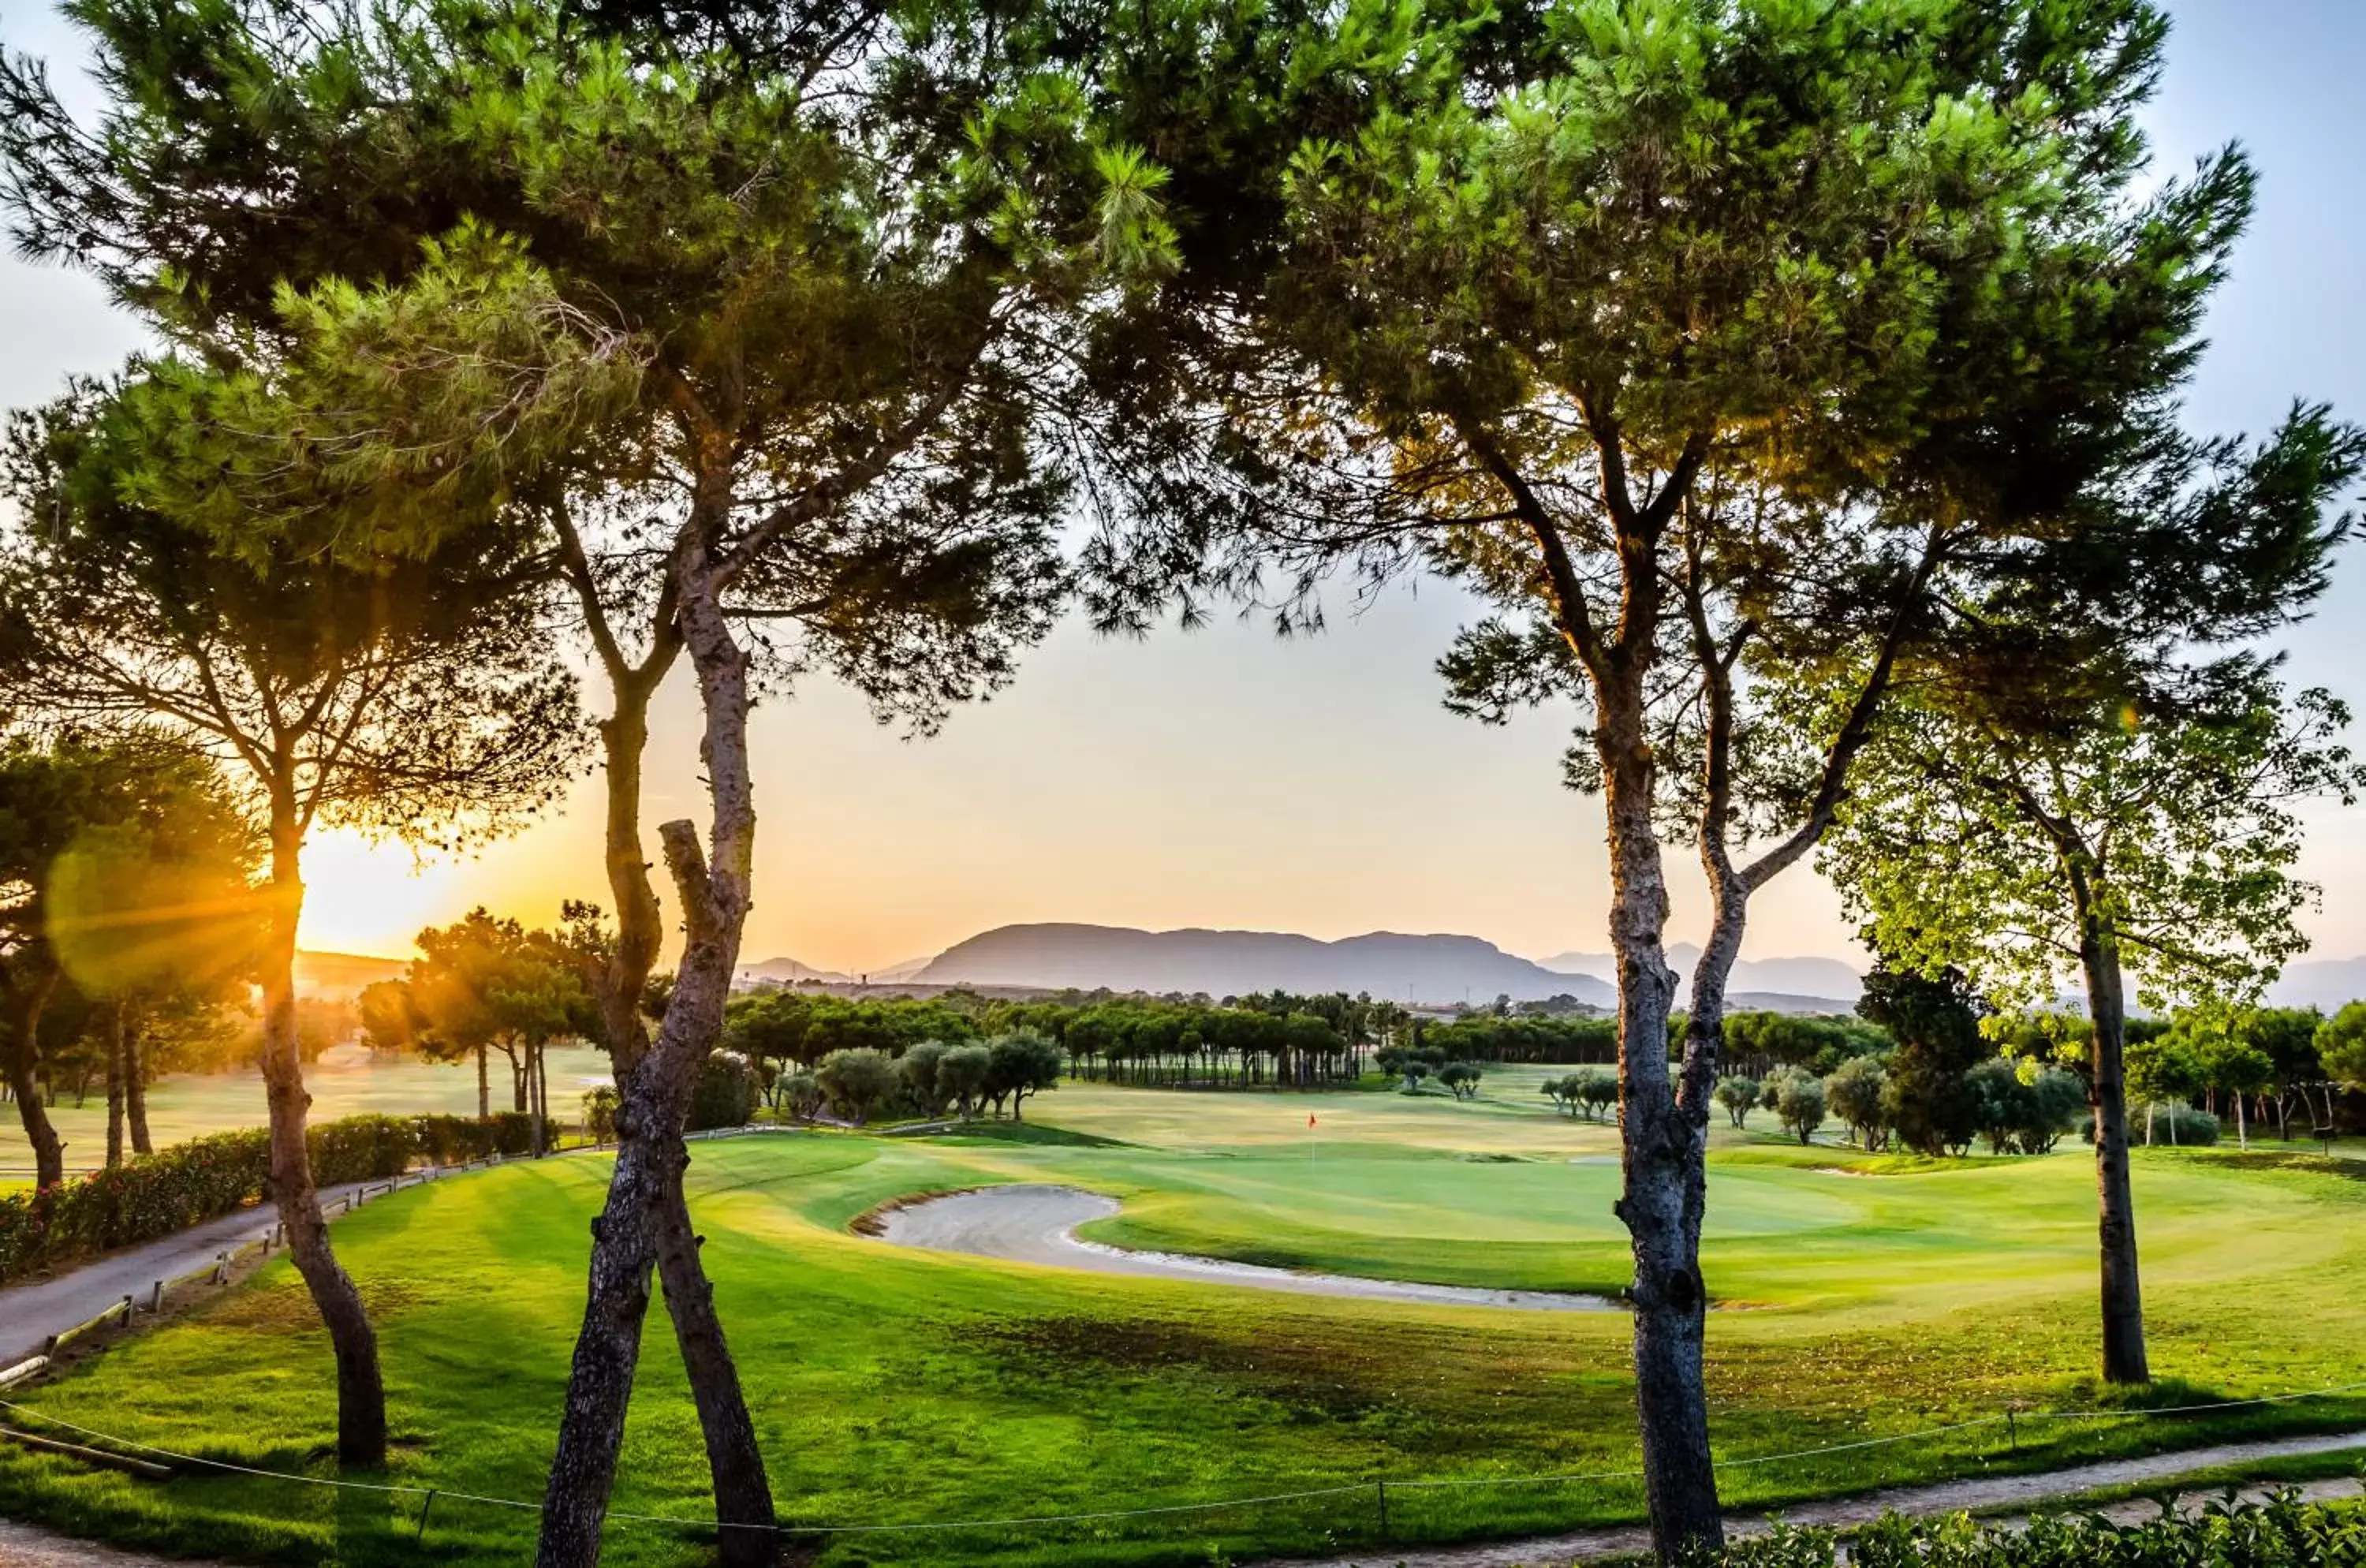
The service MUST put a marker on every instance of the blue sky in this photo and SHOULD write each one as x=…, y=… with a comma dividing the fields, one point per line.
x=1225, y=778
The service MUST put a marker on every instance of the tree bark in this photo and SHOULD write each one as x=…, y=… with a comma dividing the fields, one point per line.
x=743, y=1491
x=1662, y=1143
x=484, y=1088
x=114, y=1084
x=24, y=1051
x=361, y=1390
x=645, y=1212
x=135, y=1091
x=2122, y=1294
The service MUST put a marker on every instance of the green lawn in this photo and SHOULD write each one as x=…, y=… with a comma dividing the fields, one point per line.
x=347, y=1082
x=1871, y=1297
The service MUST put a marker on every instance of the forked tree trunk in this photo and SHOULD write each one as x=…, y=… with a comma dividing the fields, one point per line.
x=2122, y=1294
x=361, y=1390
x=1663, y=1144
x=135, y=1091
x=645, y=1212
x=24, y=1051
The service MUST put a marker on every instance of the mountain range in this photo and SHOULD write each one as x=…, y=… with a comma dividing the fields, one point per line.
x=1797, y=979
x=1436, y=968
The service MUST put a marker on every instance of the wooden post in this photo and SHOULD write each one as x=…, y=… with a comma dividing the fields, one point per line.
x=156, y=1298
x=126, y=1312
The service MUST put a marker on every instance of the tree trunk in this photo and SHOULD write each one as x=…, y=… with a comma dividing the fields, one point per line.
x=114, y=1084
x=1663, y=1143
x=645, y=1212
x=484, y=1088
x=534, y=1100
x=361, y=1392
x=49, y=1153
x=743, y=1492
x=135, y=1091
x=517, y=1080
x=2122, y=1294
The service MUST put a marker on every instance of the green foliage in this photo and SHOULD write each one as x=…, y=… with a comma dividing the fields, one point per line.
x=2227, y=1534
x=725, y=1094
x=1796, y=1098
x=454, y=1140
x=1857, y=1091
x=2340, y=1043
x=857, y=1081
x=1739, y=1094
x=600, y=1104
x=1018, y=1065
x=2022, y=1109
x=156, y=1195
x=1462, y=1078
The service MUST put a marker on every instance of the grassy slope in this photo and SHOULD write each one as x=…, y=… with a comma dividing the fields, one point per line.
x=892, y=1386
x=344, y=1083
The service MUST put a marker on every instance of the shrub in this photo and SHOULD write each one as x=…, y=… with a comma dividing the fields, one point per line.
x=1796, y=1098
x=155, y=1195
x=600, y=1113
x=857, y=1081
x=1597, y=1087
x=2283, y=1529
x=798, y=1093
x=1462, y=1078
x=2178, y=1126
x=1854, y=1090
x=725, y=1094
x=1739, y=1094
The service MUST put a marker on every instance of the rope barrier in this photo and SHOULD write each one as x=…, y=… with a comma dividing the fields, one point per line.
x=1036, y=1520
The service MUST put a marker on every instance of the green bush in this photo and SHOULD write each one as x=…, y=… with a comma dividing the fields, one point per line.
x=2173, y=1126
x=2282, y=1532
x=187, y=1184
x=726, y=1093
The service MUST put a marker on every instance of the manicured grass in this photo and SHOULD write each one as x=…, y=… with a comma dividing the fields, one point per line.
x=345, y=1082
x=895, y=1387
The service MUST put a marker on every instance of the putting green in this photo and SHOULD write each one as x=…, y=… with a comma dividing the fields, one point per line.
x=899, y=1387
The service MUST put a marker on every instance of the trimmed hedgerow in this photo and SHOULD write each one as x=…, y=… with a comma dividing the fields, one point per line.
x=187, y=1184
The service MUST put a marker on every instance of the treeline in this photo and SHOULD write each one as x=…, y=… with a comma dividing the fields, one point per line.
x=1272, y=1041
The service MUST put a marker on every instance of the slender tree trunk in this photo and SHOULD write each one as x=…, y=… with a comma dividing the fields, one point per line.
x=743, y=1492
x=517, y=1080
x=646, y=1214
x=114, y=1084
x=361, y=1390
x=1663, y=1144
x=24, y=1054
x=484, y=1088
x=2123, y=1294
x=135, y=1090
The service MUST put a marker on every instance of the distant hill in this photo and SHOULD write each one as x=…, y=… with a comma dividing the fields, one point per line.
x=788, y=972
x=2326, y=983
x=339, y=976
x=1827, y=984
x=1437, y=968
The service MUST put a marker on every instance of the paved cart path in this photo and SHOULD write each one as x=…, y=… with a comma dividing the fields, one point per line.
x=31, y=1311
x=1034, y=1223
x=1985, y=1493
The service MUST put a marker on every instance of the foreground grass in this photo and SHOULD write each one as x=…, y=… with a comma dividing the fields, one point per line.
x=893, y=1388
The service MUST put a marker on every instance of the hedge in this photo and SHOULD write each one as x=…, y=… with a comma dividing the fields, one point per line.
x=155, y=1195
x=452, y=1140
x=2282, y=1532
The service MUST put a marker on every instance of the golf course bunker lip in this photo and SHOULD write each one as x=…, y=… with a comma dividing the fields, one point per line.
x=1032, y=1222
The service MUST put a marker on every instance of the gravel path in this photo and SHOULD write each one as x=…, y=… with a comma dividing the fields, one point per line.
x=22, y=1546
x=1980, y=1494
x=1031, y=1223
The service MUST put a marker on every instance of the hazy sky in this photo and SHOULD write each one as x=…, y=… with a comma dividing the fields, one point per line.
x=1225, y=778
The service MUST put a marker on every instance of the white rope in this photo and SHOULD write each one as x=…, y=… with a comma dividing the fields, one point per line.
x=1027, y=1521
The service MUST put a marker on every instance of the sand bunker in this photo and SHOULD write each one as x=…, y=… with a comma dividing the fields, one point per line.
x=1032, y=1224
